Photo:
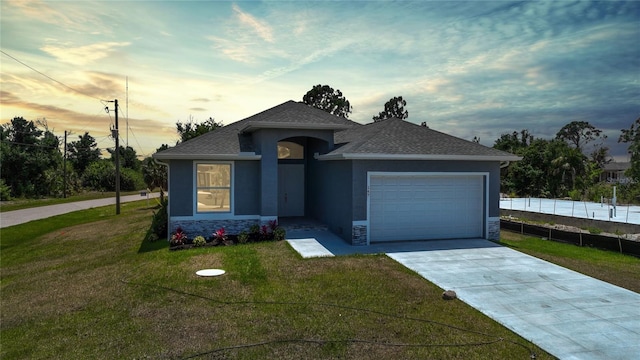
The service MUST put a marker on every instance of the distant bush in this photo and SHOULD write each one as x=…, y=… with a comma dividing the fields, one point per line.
x=5, y=191
x=575, y=195
x=101, y=176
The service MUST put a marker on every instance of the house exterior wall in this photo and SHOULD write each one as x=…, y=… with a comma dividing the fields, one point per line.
x=266, y=141
x=329, y=195
x=360, y=168
x=246, y=187
x=181, y=187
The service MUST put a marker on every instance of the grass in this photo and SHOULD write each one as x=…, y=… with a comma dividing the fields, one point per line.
x=85, y=285
x=19, y=204
x=615, y=268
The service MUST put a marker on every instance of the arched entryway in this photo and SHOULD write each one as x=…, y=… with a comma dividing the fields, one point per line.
x=291, y=177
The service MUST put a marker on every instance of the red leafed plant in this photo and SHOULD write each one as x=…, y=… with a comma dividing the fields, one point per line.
x=273, y=224
x=264, y=232
x=179, y=237
x=220, y=237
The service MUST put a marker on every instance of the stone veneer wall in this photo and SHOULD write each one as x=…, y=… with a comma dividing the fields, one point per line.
x=493, y=232
x=359, y=235
x=205, y=228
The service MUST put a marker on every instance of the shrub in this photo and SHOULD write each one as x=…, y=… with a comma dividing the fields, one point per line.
x=220, y=237
x=199, y=241
x=179, y=237
x=243, y=237
x=130, y=180
x=575, y=195
x=158, y=228
x=279, y=234
x=101, y=175
x=5, y=191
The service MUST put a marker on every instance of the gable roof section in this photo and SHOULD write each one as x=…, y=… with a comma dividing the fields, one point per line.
x=295, y=115
x=234, y=141
x=398, y=139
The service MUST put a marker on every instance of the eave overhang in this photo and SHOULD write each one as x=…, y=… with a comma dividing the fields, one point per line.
x=432, y=157
x=222, y=157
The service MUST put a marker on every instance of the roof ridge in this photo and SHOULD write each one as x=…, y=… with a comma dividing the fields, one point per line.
x=362, y=140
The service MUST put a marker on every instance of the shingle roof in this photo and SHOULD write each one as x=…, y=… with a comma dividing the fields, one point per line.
x=391, y=138
x=616, y=166
x=402, y=138
x=233, y=139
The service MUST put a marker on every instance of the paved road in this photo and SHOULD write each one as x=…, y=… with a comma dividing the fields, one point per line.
x=11, y=218
x=568, y=314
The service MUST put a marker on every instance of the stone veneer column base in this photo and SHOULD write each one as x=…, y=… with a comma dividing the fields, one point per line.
x=493, y=231
x=206, y=228
x=359, y=233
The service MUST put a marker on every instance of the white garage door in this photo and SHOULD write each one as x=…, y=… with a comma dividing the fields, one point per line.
x=423, y=207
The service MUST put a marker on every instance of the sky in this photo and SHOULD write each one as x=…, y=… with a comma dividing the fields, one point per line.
x=469, y=69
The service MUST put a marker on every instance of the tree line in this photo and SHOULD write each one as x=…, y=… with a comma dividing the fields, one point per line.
x=33, y=165
x=559, y=167
x=569, y=165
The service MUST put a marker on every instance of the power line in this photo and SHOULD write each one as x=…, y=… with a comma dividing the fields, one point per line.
x=25, y=144
x=50, y=78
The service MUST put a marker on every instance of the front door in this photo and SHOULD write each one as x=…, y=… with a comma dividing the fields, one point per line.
x=291, y=190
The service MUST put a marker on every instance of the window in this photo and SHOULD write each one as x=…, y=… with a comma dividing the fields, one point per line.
x=290, y=150
x=213, y=187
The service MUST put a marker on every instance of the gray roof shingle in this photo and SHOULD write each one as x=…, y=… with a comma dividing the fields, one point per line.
x=391, y=137
x=399, y=137
x=232, y=139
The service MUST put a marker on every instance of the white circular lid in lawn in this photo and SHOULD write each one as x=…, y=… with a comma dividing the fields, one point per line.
x=210, y=272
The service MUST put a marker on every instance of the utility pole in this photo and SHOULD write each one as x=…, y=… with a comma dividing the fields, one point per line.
x=117, y=162
x=114, y=134
x=64, y=161
x=127, y=127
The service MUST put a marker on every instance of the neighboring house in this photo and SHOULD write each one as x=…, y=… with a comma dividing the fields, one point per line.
x=385, y=181
x=613, y=172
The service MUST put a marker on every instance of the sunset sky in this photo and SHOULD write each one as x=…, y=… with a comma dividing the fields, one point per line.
x=466, y=68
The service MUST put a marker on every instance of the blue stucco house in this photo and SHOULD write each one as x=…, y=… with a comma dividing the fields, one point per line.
x=385, y=181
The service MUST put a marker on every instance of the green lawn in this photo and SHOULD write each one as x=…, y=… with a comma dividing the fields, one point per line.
x=609, y=266
x=19, y=204
x=85, y=285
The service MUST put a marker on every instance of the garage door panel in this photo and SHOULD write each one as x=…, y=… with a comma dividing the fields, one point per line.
x=410, y=207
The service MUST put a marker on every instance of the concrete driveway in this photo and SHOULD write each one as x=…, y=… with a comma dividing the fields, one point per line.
x=570, y=315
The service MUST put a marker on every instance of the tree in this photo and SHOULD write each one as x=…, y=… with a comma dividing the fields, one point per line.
x=128, y=158
x=393, y=108
x=26, y=154
x=514, y=142
x=83, y=152
x=189, y=130
x=579, y=133
x=154, y=174
x=632, y=137
x=325, y=98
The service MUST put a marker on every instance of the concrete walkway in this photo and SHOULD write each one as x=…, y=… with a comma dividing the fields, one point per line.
x=569, y=315
x=11, y=218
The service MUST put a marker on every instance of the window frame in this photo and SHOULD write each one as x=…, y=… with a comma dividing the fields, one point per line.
x=302, y=148
x=196, y=187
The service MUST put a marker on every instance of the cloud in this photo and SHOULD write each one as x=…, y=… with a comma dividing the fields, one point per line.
x=261, y=28
x=83, y=55
x=60, y=119
x=72, y=16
